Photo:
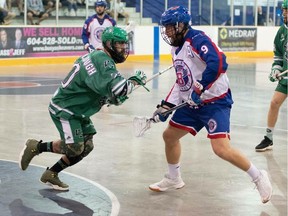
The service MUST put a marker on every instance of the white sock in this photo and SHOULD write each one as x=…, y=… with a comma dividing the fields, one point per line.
x=174, y=170
x=269, y=132
x=253, y=172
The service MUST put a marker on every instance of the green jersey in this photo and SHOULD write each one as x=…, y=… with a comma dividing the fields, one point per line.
x=281, y=50
x=92, y=81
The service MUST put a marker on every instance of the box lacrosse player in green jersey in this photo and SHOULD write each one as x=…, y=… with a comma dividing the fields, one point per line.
x=278, y=73
x=93, y=82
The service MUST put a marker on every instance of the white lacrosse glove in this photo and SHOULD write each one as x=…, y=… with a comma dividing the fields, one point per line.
x=158, y=114
x=275, y=71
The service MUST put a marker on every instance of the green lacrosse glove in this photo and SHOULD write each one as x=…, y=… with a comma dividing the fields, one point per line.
x=140, y=78
x=275, y=71
x=117, y=100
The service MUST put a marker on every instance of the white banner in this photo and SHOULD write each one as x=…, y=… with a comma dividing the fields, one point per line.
x=252, y=2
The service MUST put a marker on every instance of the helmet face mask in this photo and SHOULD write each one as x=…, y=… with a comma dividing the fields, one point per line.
x=173, y=34
x=115, y=42
x=174, y=23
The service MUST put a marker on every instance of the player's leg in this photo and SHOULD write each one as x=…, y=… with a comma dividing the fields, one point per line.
x=75, y=145
x=34, y=147
x=277, y=100
x=218, y=127
x=171, y=180
x=171, y=136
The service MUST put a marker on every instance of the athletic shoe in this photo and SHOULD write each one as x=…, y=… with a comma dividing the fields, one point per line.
x=29, y=151
x=51, y=178
x=263, y=185
x=266, y=144
x=167, y=183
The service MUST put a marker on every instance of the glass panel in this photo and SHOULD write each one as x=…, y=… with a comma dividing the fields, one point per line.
x=278, y=14
x=74, y=12
x=221, y=13
x=153, y=9
x=204, y=12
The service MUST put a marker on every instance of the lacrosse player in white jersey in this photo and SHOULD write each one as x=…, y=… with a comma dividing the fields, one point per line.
x=201, y=78
x=95, y=25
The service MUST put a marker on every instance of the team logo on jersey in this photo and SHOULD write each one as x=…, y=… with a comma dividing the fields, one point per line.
x=184, y=76
x=212, y=124
x=78, y=132
x=108, y=64
x=98, y=33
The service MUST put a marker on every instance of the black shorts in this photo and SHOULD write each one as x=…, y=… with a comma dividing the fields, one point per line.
x=35, y=15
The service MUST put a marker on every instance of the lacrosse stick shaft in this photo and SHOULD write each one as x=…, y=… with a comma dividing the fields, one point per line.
x=154, y=76
x=142, y=124
x=174, y=108
x=283, y=73
x=158, y=74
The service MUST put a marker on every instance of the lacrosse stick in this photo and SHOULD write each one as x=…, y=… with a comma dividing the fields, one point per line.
x=283, y=73
x=155, y=75
x=142, y=124
x=148, y=80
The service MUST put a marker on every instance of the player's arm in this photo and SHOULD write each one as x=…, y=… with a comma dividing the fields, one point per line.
x=277, y=66
x=121, y=87
x=215, y=61
x=169, y=102
x=278, y=50
x=86, y=35
x=113, y=22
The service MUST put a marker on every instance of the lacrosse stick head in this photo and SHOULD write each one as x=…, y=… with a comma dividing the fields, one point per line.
x=140, y=125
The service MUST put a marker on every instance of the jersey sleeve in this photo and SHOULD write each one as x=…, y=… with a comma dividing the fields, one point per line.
x=214, y=58
x=278, y=50
x=113, y=22
x=85, y=31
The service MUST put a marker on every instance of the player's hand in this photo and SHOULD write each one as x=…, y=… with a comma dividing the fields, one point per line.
x=275, y=71
x=89, y=47
x=140, y=78
x=117, y=100
x=196, y=93
x=158, y=115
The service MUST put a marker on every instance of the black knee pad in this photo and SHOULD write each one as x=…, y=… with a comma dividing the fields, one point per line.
x=74, y=160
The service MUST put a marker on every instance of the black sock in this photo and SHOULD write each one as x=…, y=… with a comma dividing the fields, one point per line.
x=45, y=147
x=59, y=166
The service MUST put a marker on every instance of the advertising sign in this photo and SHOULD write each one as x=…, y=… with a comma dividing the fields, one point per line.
x=40, y=42
x=237, y=39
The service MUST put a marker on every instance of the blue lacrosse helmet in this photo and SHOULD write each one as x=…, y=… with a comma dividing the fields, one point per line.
x=176, y=14
x=101, y=3
x=173, y=17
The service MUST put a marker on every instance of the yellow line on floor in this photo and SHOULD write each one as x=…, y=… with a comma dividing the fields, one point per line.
x=132, y=58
